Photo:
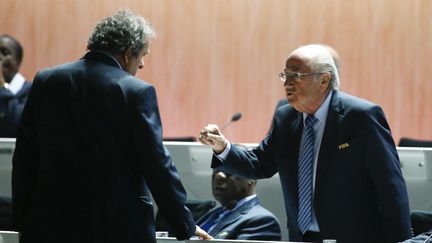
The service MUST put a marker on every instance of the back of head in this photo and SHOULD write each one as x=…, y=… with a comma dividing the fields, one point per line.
x=119, y=32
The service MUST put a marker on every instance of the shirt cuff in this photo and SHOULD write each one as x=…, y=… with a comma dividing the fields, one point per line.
x=222, y=156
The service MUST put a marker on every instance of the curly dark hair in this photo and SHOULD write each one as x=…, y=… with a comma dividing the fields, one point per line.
x=121, y=31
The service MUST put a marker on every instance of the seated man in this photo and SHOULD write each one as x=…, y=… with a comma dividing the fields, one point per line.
x=14, y=89
x=241, y=216
x=422, y=226
x=421, y=238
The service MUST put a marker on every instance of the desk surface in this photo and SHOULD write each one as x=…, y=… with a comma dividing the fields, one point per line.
x=12, y=237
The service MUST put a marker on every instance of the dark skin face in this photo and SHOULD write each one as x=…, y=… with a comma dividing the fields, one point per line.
x=229, y=189
x=9, y=63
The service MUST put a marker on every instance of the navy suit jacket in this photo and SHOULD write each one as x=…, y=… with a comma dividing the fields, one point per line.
x=5, y=213
x=248, y=222
x=88, y=152
x=11, y=107
x=360, y=194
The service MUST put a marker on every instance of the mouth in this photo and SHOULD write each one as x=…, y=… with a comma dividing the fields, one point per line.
x=219, y=188
x=289, y=93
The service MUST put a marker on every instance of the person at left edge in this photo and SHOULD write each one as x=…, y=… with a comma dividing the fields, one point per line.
x=14, y=89
x=89, y=148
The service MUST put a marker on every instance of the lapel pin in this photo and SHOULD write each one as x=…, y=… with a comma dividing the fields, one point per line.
x=344, y=145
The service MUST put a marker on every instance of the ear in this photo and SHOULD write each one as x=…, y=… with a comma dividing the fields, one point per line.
x=325, y=80
x=127, y=55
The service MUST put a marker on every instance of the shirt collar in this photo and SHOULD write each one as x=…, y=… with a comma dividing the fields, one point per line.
x=16, y=83
x=241, y=202
x=321, y=113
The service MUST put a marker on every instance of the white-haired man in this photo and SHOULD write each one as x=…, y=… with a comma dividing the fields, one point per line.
x=336, y=159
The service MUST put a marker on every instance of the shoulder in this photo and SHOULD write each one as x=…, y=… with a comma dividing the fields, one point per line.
x=350, y=103
x=260, y=213
x=286, y=111
x=65, y=67
x=358, y=111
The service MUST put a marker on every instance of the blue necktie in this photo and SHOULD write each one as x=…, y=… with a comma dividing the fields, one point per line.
x=214, y=219
x=305, y=173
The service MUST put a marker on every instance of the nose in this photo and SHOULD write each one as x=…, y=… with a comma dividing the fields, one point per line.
x=220, y=177
x=141, y=64
x=288, y=83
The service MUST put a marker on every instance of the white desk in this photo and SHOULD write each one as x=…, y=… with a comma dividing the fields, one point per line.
x=193, y=163
x=12, y=237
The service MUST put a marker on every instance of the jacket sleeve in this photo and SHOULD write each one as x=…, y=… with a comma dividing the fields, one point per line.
x=25, y=161
x=159, y=172
x=383, y=164
x=251, y=163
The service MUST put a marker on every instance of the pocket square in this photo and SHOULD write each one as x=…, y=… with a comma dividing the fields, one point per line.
x=343, y=146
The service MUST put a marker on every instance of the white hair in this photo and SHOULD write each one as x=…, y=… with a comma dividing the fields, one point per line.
x=320, y=60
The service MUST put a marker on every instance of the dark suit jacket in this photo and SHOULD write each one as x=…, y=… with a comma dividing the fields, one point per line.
x=11, y=107
x=360, y=194
x=248, y=222
x=5, y=213
x=88, y=151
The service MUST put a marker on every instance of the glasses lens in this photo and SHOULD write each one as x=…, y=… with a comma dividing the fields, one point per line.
x=292, y=76
x=282, y=77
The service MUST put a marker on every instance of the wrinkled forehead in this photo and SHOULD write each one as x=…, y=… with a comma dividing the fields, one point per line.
x=296, y=63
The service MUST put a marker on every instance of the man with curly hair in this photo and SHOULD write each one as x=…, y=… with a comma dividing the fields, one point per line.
x=89, y=148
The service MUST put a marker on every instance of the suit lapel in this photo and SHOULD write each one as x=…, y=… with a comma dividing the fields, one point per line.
x=328, y=142
x=234, y=216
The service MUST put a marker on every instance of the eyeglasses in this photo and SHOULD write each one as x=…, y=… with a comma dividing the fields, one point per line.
x=294, y=76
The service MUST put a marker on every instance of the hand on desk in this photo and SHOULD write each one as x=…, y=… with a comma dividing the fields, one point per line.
x=202, y=235
x=212, y=136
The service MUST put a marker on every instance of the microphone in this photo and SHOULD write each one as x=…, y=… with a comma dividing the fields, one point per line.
x=234, y=118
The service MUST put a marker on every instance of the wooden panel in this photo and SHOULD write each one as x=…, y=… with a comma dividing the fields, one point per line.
x=214, y=58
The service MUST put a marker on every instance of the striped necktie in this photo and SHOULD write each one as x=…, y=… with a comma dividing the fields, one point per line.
x=305, y=174
x=214, y=219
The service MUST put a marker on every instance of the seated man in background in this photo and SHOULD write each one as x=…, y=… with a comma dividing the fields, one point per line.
x=14, y=89
x=422, y=226
x=421, y=238
x=241, y=216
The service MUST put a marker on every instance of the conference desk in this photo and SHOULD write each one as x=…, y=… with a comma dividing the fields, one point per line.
x=12, y=237
x=193, y=164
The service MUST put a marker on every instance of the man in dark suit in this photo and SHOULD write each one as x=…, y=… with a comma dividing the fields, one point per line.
x=89, y=149
x=337, y=162
x=14, y=89
x=240, y=217
x=5, y=213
